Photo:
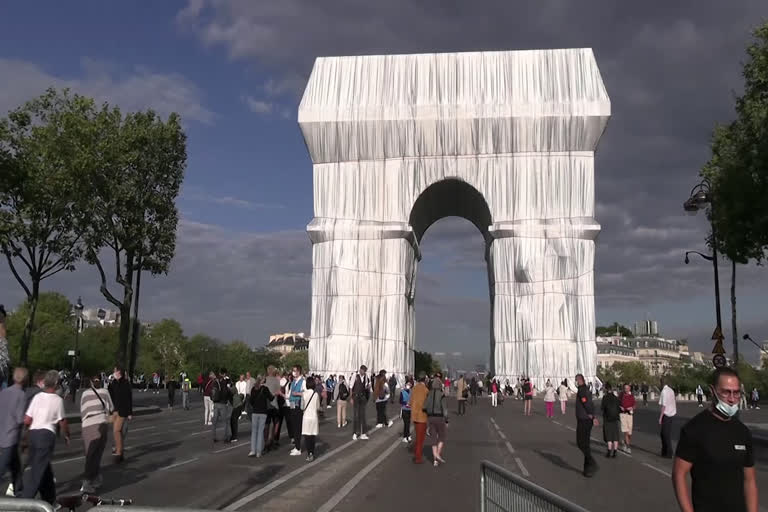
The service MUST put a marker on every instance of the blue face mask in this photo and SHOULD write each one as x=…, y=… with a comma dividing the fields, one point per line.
x=727, y=409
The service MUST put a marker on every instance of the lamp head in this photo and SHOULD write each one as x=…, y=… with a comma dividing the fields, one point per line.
x=79, y=306
x=687, y=259
x=745, y=337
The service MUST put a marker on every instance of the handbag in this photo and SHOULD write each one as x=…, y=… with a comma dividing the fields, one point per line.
x=110, y=417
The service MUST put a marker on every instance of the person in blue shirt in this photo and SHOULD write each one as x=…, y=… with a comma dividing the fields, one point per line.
x=330, y=385
x=405, y=410
x=295, y=414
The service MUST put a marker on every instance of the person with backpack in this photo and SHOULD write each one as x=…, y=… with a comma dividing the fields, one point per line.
x=260, y=400
x=381, y=392
x=437, y=418
x=220, y=398
x=342, y=395
x=405, y=410
x=611, y=408
x=186, y=387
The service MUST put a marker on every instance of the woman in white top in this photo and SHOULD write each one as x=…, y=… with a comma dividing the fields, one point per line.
x=309, y=422
x=549, y=399
x=562, y=393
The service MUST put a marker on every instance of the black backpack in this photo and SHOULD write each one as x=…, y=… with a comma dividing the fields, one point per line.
x=216, y=391
x=343, y=391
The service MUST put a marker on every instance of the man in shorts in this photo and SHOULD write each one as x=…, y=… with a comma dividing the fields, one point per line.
x=627, y=400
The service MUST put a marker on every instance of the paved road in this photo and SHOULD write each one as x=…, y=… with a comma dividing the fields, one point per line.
x=171, y=461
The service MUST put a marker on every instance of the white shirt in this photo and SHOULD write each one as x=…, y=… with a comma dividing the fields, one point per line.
x=242, y=387
x=667, y=400
x=46, y=410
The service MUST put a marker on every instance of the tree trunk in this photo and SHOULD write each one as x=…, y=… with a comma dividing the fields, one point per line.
x=125, y=312
x=26, y=336
x=136, y=333
x=734, y=330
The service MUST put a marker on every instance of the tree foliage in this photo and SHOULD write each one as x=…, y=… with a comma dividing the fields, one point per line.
x=132, y=201
x=424, y=362
x=611, y=330
x=42, y=162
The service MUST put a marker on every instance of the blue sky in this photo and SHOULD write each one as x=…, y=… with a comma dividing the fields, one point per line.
x=235, y=72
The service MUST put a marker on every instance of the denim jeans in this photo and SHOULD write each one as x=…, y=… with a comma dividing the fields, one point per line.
x=258, y=422
x=221, y=412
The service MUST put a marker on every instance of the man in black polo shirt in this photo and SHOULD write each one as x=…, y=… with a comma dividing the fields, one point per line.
x=716, y=448
x=585, y=419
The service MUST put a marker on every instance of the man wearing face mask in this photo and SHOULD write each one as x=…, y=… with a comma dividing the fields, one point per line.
x=716, y=449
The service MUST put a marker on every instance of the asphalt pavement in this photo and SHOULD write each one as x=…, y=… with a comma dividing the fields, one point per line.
x=172, y=461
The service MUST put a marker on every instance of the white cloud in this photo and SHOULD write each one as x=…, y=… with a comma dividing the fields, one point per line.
x=196, y=194
x=137, y=89
x=258, y=106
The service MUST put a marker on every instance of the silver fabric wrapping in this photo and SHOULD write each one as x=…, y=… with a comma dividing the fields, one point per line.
x=521, y=129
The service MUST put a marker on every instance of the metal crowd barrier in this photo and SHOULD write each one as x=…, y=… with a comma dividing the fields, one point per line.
x=503, y=491
x=117, y=508
x=19, y=505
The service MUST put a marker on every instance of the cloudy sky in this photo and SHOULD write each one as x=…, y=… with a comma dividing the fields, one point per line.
x=235, y=72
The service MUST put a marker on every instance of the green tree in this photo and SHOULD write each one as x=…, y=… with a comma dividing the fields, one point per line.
x=97, y=349
x=132, y=201
x=633, y=372
x=612, y=329
x=42, y=162
x=738, y=171
x=166, y=341
x=54, y=331
x=201, y=353
x=291, y=359
x=424, y=362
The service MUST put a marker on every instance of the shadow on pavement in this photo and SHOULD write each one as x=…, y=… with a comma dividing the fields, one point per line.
x=557, y=460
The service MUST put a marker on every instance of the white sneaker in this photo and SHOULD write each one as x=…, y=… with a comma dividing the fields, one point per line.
x=405, y=439
x=364, y=437
x=390, y=423
x=9, y=491
x=338, y=426
x=379, y=425
x=328, y=407
x=345, y=424
x=354, y=437
x=295, y=452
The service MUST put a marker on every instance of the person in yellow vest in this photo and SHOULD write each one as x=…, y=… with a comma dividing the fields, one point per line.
x=186, y=387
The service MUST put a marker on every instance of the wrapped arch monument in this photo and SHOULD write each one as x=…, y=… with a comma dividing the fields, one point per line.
x=503, y=139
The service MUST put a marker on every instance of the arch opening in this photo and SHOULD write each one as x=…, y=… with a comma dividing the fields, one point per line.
x=450, y=197
x=450, y=200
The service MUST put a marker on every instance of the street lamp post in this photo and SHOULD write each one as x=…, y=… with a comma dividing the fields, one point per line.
x=78, y=320
x=700, y=196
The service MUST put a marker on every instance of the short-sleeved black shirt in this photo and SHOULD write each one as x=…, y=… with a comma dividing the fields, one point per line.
x=719, y=451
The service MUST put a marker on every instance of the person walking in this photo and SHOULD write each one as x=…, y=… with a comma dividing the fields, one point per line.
x=207, y=401
x=562, y=395
x=755, y=399
x=310, y=423
x=381, y=392
x=611, y=409
x=392, y=388
x=95, y=411
x=405, y=410
x=494, y=393
x=437, y=417
x=5, y=356
x=527, y=396
x=700, y=395
x=238, y=406
x=341, y=391
x=473, y=391
x=44, y=415
x=297, y=387
x=220, y=397
x=743, y=403
x=585, y=420
x=122, y=397
x=360, y=391
x=627, y=409
x=13, y=404
x=668, y=406
x=549, y=399
x=419, y=417
x=186, y=387
x=462, y=391
x=171, y=386
x=716, y=449
x=644, y=393
x=260, y=399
